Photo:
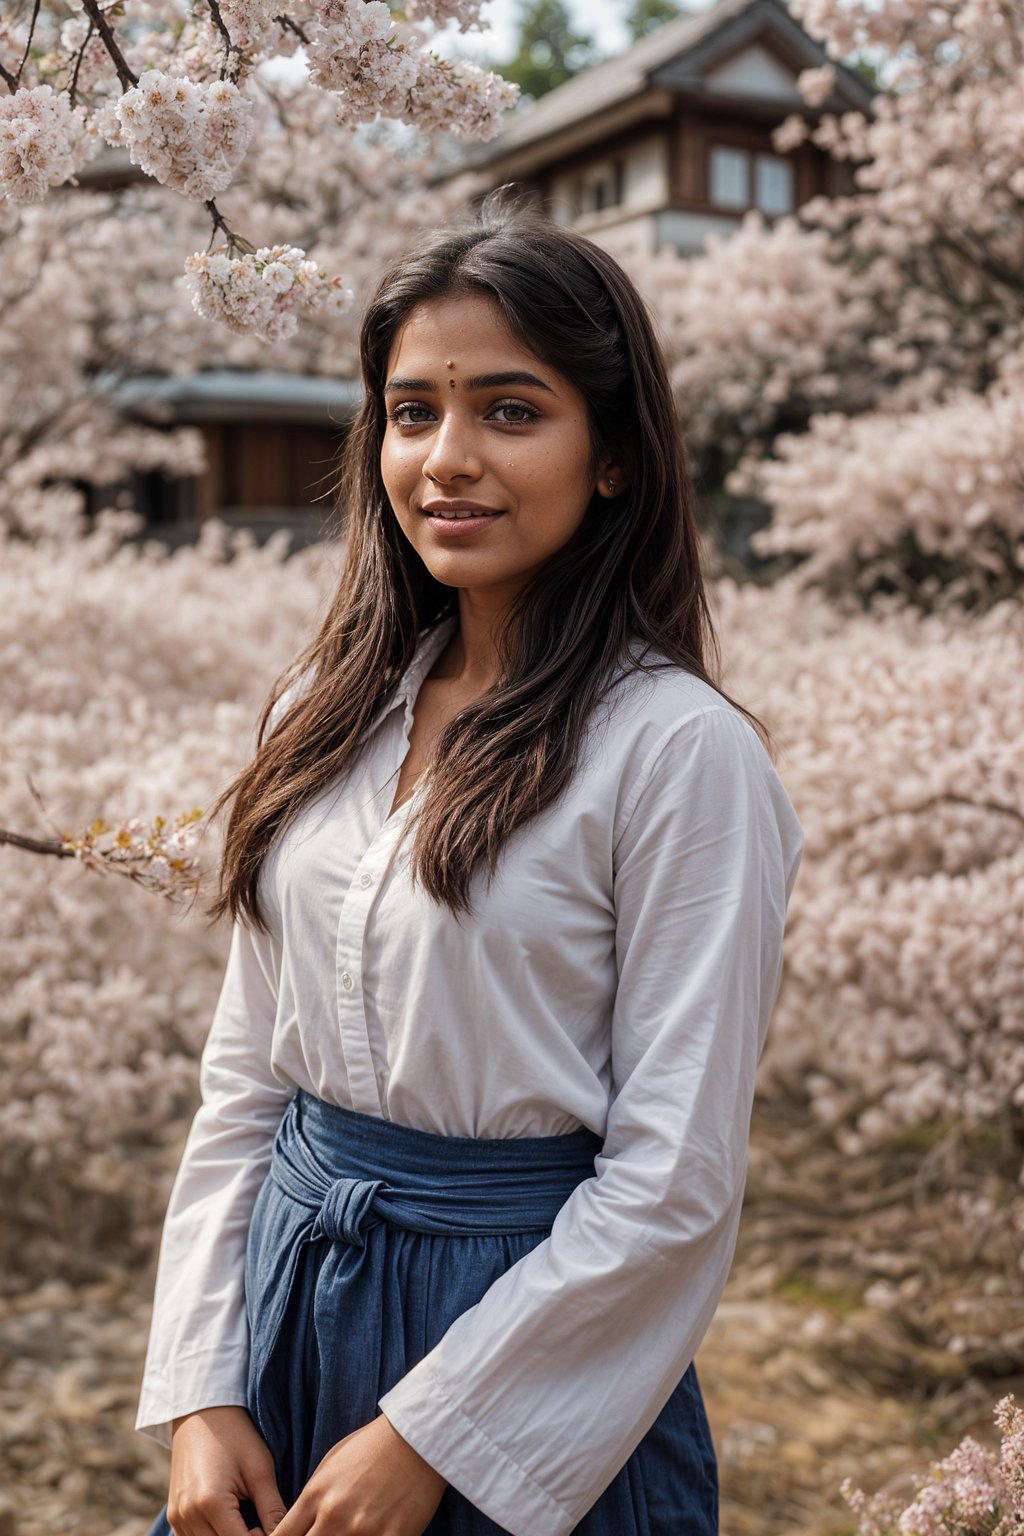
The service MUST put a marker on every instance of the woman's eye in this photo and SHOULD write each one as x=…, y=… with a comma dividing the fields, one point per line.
x=509, y=413
x=401, y=415
x=525, y=412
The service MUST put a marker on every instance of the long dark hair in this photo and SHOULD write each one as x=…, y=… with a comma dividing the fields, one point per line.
x=629, y=578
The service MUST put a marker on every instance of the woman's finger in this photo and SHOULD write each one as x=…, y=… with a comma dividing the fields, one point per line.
x=299, y=1519
x=264, y=1493
x=192, y=1524
x=220, y=1517
x=228, y=1519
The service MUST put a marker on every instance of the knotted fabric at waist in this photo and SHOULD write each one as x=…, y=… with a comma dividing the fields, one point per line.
x=354, y=1171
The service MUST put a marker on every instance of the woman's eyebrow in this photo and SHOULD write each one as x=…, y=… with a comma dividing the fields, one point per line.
x=478, y=381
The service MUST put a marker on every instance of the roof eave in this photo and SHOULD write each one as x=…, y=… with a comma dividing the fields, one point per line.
x=238, y=395
x=524, y=160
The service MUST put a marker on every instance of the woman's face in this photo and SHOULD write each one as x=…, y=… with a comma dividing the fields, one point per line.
x=476, y=421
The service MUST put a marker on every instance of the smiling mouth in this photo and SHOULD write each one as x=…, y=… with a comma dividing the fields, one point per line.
x=460, y=510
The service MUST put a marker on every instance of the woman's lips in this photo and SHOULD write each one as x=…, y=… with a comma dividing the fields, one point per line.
x=447, y=526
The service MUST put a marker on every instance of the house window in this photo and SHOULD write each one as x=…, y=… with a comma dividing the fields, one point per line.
x=740, y=179
x=599, y=187
x=730, y=177
x=773, y=184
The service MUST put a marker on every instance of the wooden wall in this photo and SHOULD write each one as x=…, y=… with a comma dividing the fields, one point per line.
x=693, y=132
x=268, y=466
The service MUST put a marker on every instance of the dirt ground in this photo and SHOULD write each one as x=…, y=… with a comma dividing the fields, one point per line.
x=805, y=1382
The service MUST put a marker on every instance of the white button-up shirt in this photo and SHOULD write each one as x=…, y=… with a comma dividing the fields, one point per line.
x=619, y=972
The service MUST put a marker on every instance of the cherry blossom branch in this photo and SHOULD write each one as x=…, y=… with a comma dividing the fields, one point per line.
x=51, y=846
x=28, y=41
x=73, y=86
x=235, y=242
x=126, y=76
x=982, y=261
x=158, y=857
x=292, y=26
x=927, y=805
x=230, y=47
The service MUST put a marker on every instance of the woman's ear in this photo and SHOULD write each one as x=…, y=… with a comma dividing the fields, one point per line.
x=611, y=480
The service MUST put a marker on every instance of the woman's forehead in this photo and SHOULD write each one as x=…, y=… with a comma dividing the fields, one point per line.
x=456, y=334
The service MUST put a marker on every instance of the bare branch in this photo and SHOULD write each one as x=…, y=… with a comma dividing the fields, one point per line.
x=235, y=242
x=927, y=805
x=229, y=71
x=982, y=260
x=291, y=26
x=48, y=845
x=28, y=41
x=124, y=74
x=78, y=63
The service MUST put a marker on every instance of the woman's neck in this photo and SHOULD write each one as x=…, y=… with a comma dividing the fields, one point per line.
x=470, y=659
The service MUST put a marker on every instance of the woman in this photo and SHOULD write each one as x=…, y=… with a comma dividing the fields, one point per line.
x=508, y=875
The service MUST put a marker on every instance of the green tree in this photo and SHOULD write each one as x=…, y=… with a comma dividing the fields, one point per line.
x=550, y=50
x=644, y=16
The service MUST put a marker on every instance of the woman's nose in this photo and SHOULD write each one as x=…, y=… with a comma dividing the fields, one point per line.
x=453, y=453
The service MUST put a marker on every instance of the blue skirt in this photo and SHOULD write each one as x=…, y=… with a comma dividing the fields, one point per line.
x=367, y=1240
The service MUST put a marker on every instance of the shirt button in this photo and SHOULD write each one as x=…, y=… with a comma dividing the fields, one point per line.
x=365, y=879
x=346, y=981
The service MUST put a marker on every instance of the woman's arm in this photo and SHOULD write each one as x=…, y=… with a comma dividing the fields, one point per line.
x=198, y=1345
x=537, y=1396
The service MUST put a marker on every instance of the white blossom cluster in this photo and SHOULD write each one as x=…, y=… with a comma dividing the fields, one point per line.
x=262, y=292
x=851, y=493
x=815, y=85
x=765, y=318
x=460, y=98
x=249, y=22
x=356, y=50
x=901, y=737
x=43, y=141
x=465, y=12
x=80, y=40
x=190, y=137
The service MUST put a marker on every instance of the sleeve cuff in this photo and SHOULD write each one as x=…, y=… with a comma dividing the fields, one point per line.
x=457, y=1448
x=215, y=1379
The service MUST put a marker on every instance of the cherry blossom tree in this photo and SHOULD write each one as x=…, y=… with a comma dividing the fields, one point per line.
x=177, y=88
x=93, y=293
x=878, y=336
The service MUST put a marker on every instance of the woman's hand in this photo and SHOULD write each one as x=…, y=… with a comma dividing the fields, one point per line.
x=373, y=1483
x=219, y=1457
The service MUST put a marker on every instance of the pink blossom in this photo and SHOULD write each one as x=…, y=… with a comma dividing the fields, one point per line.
x=42, y=142
x=260, y=293
x=190, y=137
x=970, y=1491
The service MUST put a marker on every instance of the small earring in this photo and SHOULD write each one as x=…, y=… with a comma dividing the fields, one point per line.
x=611, y=487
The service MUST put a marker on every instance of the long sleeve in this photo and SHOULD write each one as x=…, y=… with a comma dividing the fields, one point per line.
x=198, y=1345
x=537, y=1396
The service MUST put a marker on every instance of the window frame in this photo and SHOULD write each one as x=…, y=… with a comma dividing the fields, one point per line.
x=751, y=159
